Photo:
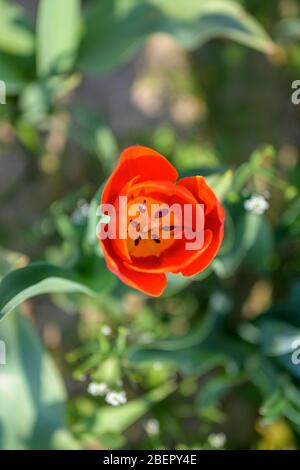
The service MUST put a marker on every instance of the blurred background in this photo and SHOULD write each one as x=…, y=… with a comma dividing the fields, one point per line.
x=92, y=364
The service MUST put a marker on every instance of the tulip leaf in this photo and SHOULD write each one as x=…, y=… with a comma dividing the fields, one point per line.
x=247, y=233
x=274, y=406
x=198, y=351
x=113, y=30
x=196, y=360
x=259, y=256
x=218, y=308
x=31, y=386
x=12, y=74
x=221, y=184
x=15, y=36
x=92, y=133
x=213, y=390
x=35, y=279
x=279, y=338
x=91, y=243
x=58, y=34
x=107, y=420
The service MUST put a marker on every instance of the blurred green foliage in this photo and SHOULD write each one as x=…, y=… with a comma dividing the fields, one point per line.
x=215, y=350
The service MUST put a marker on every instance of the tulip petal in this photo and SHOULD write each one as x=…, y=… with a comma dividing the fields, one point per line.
x=205, y=257
x=173, y=260
x=198, y=186
x=141, y=161
x=214, y=221
x=151, y=284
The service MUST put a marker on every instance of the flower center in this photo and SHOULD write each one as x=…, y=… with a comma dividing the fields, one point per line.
x=150, y=227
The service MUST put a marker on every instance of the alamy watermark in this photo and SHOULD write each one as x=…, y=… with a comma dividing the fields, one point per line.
x=2, y=353
x=144, y=220
x=2, y=92
x=296, y=94
x=296, y=352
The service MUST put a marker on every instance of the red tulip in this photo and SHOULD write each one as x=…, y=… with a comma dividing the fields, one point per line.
x=145, y=239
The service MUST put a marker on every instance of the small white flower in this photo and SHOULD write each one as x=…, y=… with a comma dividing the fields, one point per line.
x=217, y=440
x=96, y=389
x=112, y=399
x=256, y=204
x=122, y=398
x=106, y=330
x=152, y=427
x=116, y=398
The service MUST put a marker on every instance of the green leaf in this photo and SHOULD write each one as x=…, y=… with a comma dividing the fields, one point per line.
x=109, y=420
x=93, y=134
x=274, y=406
x=255, y=167
x=176, y=283
x=115, y=29
x=32, y=405
x=259, y=256
x=217, y=310
x=279, y=338
x=111, y=35
x=36, y=279
x=242, y=176
x=286, y=361
x=106, y=147
x=213, y=390
x=35, y=102
x=293, y=414
x=196, y=360
x=38, y=97
x=200, y=350
x=247, y=233
x=221, y=184
x=215, y=18
x=58, y=34
x=15, y=36
x=91, y=243
x=12, y=74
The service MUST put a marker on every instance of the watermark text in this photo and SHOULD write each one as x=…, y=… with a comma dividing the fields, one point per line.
x=143, y=220
x=296, y=94
x=2, y=353
x=2, y=92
